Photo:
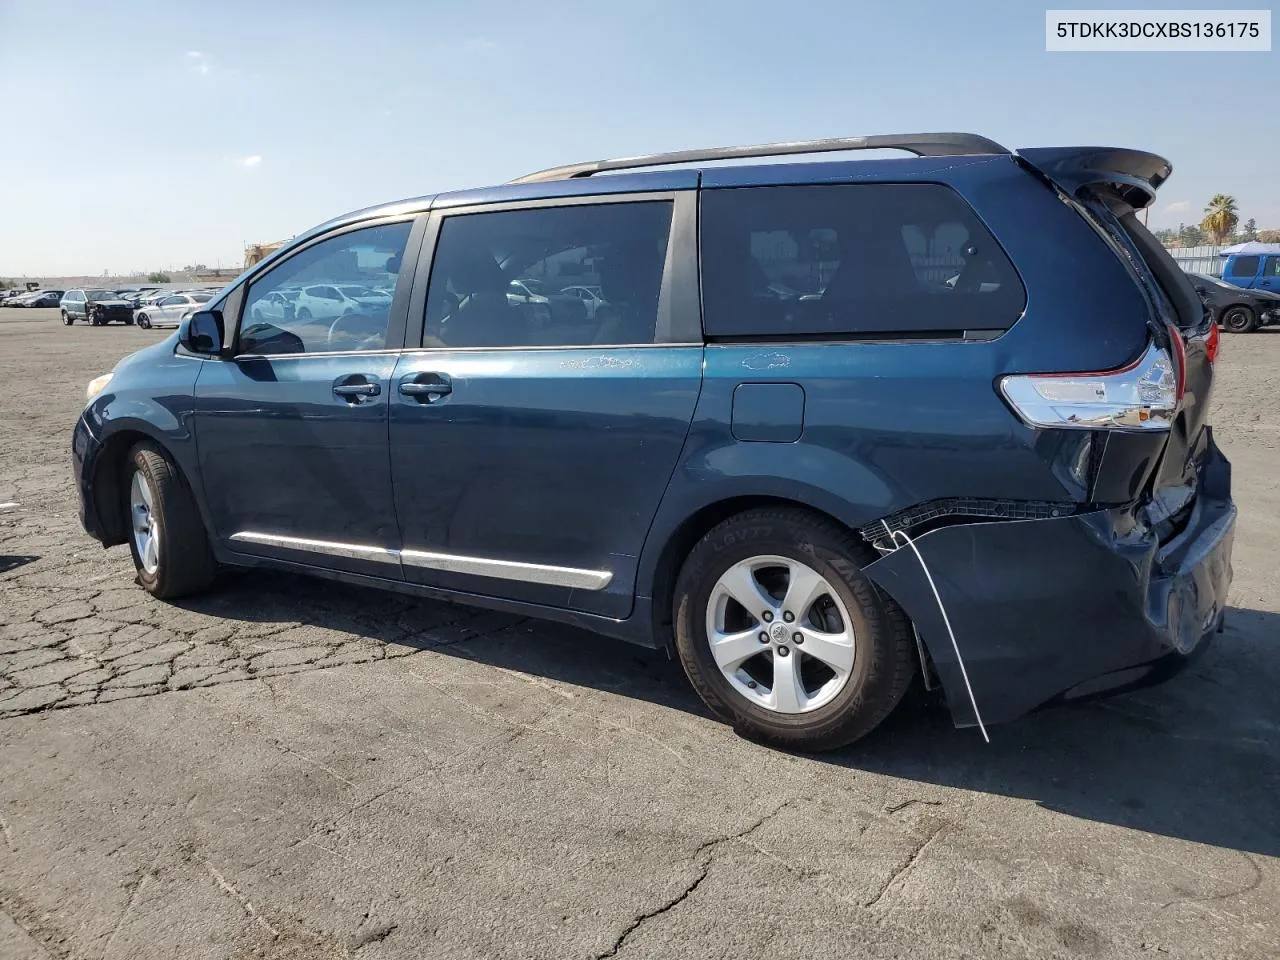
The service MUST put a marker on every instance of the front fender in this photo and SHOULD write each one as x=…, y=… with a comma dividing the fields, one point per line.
x=149, y=397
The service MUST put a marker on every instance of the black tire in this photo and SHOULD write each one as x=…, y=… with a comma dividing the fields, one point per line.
x=884, y=658
x=144, y=321
x=304, y=315
x=186, y=564
x=1239, y=319
x=67, y=319
x=128, y=321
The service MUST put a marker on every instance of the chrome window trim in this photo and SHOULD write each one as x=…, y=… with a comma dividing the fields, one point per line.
x=547, y=574
x=598, y=348
x=383, y=352
x=438, y=350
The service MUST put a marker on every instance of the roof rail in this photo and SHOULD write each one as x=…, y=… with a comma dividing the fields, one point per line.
x=921, y=144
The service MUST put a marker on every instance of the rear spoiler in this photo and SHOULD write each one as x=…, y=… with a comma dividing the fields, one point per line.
x=1133, y=175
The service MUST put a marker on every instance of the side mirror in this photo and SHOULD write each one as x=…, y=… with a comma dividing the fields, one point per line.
x=204, y=332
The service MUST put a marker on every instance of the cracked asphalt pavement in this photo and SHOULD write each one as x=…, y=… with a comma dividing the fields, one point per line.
x=287, y=768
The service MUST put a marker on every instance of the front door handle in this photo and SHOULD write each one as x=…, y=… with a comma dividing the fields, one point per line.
x=356, y=387
x=426, y=387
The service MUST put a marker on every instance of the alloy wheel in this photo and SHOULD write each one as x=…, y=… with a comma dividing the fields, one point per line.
x=146, y=535
x=780, y=634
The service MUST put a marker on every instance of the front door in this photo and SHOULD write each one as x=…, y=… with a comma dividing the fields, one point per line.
x=1270, y=278
x=531, y=443
x=292, y=432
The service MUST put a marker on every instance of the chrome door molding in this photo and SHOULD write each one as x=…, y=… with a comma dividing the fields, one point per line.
x=571, y=577
x=356, y=551
x=546, y=574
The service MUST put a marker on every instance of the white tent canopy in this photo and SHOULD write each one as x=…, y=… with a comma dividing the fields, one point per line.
x=1251, y=248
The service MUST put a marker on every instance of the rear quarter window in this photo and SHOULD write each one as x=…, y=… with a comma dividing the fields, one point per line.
x=853, y=260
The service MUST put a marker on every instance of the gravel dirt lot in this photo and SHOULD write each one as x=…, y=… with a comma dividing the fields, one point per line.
x=290, y=769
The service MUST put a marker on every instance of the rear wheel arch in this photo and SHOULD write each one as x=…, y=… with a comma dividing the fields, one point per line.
x=687, y=534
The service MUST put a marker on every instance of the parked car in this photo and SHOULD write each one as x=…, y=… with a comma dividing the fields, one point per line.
x=810, y=501
x=591, y=298
x=329, y=301
x=169, y=310
x=1257, y=269
x=19, y=299
x=97, y=307
x=277, y=307
x=136, y=297
x=45, y=298
x=1237, y=309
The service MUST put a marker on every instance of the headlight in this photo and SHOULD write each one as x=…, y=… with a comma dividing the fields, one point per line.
x=96, y=386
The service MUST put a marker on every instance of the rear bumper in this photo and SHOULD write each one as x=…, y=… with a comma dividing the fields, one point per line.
x=1068, y=607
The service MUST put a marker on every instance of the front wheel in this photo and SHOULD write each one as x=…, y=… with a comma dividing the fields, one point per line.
x=304, y=315
x=1239, y=320
x=166, y=535
x=144, y=321
x=67, y=319
x=781, y=633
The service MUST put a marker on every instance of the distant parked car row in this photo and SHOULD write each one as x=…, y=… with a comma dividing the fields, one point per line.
x=33, y=298
x=147, y=307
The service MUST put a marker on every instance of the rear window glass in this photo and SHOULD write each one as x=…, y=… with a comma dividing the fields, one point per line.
x=858, y=259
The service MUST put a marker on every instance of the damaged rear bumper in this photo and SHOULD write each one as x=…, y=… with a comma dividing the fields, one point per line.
x=1066, y=607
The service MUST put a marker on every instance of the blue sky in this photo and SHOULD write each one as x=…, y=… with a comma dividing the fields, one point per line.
x=141, y=135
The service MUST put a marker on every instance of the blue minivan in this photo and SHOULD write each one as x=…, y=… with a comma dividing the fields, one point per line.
x=825, y=426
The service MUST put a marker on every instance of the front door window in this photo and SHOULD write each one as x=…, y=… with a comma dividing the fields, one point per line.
x=319, y=319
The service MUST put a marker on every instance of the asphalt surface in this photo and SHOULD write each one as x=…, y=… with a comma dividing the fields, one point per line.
x=286, y=768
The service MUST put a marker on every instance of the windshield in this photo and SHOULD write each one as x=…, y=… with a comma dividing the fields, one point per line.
x=100, y=295
x=351, y=290
x=533, y=286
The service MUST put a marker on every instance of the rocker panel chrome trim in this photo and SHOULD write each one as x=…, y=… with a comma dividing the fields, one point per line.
x=570, y=577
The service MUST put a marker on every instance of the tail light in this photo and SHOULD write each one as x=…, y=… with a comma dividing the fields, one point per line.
x=1142, y=396
x=1212, y=339
x=1180, y=351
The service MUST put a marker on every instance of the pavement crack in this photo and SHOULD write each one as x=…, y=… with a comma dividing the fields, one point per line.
x=374, y=934
x=903, y=868
x=8, y=835
x=705, y=857
x=1250, y=886
x=895, y=807
x=640, y=919
x=134, y=895
x=744, y=832
x=245, y=904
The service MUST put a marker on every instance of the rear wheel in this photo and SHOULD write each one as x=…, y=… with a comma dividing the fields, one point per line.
x=67, y=319
x=781, y=633
x=166, y=535
x=1239, y=319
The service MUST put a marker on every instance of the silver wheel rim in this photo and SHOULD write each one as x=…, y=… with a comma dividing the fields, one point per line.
x=146, y=537
x=780, y=634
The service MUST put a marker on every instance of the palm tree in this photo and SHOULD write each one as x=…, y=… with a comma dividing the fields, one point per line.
x=1220, y=217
